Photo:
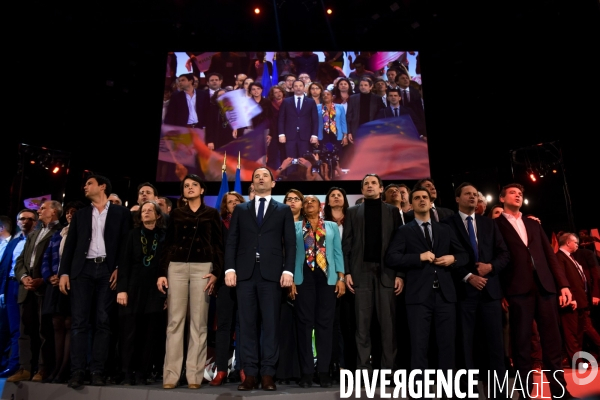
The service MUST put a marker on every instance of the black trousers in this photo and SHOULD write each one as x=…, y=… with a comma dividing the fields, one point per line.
x=315, y=308
x=226, y=311
x=139, y=341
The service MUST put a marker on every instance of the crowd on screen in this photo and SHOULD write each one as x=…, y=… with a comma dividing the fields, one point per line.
x=98, y=293
x=312, y=113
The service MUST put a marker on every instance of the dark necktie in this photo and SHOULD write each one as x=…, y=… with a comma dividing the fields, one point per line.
x=580, y=271
x=261, y=211
x=298, y=106
x=427, y=235
x=395, y=112
x=404, y=97
x=472, y=237
x=434, y=214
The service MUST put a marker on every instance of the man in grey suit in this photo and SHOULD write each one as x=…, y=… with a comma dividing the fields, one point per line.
x=259, y=260
x=368, y=230
x=33, y=348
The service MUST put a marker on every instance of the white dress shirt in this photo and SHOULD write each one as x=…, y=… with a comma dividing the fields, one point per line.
x=517, y=223
x=97, y=247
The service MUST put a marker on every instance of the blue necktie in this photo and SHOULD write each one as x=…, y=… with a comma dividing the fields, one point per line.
x=298, y=106
x=395, y=112
x=261, y=211
x=472, y=237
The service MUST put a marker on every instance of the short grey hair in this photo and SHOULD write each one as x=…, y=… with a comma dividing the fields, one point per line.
x=55, y=205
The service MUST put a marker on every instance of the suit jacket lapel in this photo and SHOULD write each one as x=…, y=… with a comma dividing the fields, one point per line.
x=270, y=209
x=252, y=208
x=435, y=228
x=419, y=233
x=461, y=227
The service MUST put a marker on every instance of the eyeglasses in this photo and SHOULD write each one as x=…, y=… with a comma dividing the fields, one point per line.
x=293, y=199
x=23, y=219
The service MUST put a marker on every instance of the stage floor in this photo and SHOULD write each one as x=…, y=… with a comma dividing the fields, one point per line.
x=48, y=391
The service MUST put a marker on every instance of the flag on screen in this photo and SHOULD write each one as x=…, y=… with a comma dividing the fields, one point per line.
x=224, y=185
x=238, y=108
x=266, y=79
x=275, y=78
x=238, y=172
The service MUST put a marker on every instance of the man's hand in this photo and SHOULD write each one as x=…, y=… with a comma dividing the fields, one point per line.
x=268, y=140
x=340, y=288
x=445, y=261
x=210, y=285
x=595, y=301
x=122, y=298
x=54, y=280
x=286, y=280
x=234, y=133
x=345, y=140
x=211, y=146
x=282, y=139
x=293, y=292
x=565, y=297
x=478, y=282
x=427, y=256
x=36, y=283
x=304, y=162
x=113, y=280
x=483, y=268
x=350, y=138
x=573, y=304
x=504, y=305
x=398, y=285
x=162, y=284
x=64, y=284
x=349, y=283
x=230, y=279
x=26, y=281
x=188, y=65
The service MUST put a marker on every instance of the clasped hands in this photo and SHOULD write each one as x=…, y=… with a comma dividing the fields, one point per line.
x=442, y=261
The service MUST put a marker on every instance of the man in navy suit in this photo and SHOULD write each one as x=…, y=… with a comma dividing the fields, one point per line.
x=478, y=283
x=188, y=107
x=394, y=110
x=259, y=260
x=530, y=284
x=411, y=98
x=88, y=274
x=427, y=252
x=298, y=123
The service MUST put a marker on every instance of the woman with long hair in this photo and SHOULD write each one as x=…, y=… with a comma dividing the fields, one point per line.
x=318, y=281
x=141, y=304
x=191, y=262
x=226, y=301
x=342, y=91
x=275, y=150
x=315, y=89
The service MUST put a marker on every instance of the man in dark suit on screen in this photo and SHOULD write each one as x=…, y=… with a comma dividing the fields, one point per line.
x=368, y=229
x=298, y=123
x=188, y=107
x=395, y=110
x=259, y=260
x=427, y=252
x=88, y=274
x=362, y=107
x=532, y=281
x=478, y=283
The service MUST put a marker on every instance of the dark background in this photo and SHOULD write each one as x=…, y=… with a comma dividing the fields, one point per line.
x=87, y=78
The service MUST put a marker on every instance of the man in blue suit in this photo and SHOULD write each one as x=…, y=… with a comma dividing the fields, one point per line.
x=298, y=123
x=259, y=260
x=478, y=283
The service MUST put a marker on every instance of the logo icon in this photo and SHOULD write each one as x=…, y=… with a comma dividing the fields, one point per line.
x=581, y=368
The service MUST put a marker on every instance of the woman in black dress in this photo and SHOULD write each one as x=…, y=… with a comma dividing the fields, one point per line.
x=141, y=303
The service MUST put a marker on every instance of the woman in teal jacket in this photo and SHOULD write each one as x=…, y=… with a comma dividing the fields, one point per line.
x=318, y=278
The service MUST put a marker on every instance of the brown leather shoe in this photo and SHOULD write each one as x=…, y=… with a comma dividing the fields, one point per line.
x=39, y=377
x=193, y=386
x=248, y=384
x=220, y=379
x=20, y=375
x=169, y=386
x=268, y=383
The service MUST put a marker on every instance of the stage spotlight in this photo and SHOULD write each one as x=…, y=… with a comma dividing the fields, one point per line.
x=257, y=11
x=329, y=11
x=526, y=201
x=32, y=162
x=532, y=177
x=55, y=170
x=553, y=171
x=488, y=198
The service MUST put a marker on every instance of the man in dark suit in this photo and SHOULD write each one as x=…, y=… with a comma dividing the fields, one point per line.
x=478, y=283
x=437, y=213
x=88, y=273
x=9, y=287
x=588, y=260
x=33, y=347
x=298, y=123
x=427, y=251
x=575, y=319
x=530, y=285
x=362, y=107
x=410, y=98
x=368, y=229
x=186, y=100
x=259, y=260
x=394, y=110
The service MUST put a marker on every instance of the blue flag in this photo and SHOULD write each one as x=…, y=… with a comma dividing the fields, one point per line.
x=237, y=187
x=224, y=189
x=266, y=80
x=275, y=79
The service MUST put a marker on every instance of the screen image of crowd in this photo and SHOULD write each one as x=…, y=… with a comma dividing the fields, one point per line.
x=305, y=115
x=293, y=292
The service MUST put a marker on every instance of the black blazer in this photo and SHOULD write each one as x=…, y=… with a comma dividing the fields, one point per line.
x=352, y=116
x=178, y=112
x=389, y=113
x=353, y=241
x=275, y=240
x=491, y=249
x=404, y=254
x=576, y=284
x=518, y=277
x=415, y=103
x=77, y=245
x=587, y=259
x=298, y=126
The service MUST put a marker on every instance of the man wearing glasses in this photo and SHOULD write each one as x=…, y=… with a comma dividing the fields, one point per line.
x=9, y=286
x=289, y=85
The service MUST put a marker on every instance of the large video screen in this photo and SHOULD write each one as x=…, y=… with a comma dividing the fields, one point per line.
x=305, y=115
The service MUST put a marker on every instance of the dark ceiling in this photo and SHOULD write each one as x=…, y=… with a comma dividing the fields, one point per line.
x=498, y=76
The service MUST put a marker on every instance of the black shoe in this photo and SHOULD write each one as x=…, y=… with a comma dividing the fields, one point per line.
x=324, y=380
x=98, y=379
x=335, y=373
x=76, y=381
x=306, y=380
x=234, y=376
x=8, y=372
